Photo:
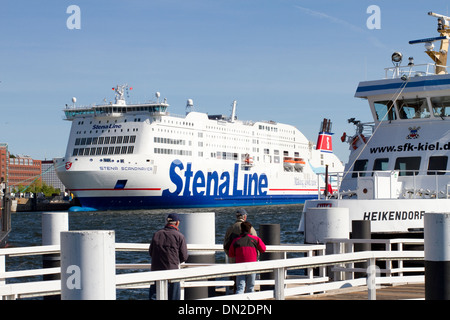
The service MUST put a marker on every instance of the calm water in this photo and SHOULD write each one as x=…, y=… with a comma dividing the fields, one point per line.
x=139, y=226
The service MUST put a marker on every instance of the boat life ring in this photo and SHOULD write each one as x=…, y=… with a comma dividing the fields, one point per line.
x=356, y=139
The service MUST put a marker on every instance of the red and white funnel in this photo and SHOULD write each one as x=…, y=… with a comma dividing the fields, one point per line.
x=324, y=141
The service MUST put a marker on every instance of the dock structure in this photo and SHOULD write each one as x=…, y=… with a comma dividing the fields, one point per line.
x=393, y=272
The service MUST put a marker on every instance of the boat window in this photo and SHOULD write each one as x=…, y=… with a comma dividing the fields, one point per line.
x=441, y=106
x=380, y=164
x=408, y=166
x=384, y=110
x=437, y=165
x=416, y=108
x=360, y=168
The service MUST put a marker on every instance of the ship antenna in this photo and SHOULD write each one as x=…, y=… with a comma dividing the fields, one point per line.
x=233, y=111
x=439, y=57
x=189, y=106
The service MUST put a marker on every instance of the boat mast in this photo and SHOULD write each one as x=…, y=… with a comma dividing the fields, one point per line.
x=440, y=57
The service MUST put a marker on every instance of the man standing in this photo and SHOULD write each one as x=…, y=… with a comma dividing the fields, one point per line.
x=168, y=250
x=245, y=248
x=235, y=230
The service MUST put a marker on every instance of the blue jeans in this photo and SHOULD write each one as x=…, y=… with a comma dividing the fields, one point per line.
x=174, y=291
x=247, y=282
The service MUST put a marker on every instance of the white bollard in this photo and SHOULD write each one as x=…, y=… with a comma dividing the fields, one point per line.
x=437, y=256
x=321, y=223
x=198, y=228
x=88, y=270
x=53, y=223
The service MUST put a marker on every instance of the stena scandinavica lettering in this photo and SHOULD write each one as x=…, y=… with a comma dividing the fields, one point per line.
x=198, y=183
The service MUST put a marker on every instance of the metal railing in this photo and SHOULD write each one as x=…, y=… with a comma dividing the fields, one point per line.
x=196, y=276
x=413, y=184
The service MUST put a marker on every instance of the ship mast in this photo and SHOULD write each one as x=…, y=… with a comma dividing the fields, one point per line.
x=439, y=57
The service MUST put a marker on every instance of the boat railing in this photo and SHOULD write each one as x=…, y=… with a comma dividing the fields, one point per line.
x=406, y=184
x=427, y=69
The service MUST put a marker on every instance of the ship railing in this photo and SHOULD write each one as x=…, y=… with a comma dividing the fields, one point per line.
x=408, y=184
x=315, y=259
x=427, y=69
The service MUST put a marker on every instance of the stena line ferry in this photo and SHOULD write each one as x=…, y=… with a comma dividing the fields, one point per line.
x=140, y=156
x=398, y=167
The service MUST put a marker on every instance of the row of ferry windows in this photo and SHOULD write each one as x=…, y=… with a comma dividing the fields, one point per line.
x=416, y=108
x=407, y=166
x=105, y=140
x=102, y=151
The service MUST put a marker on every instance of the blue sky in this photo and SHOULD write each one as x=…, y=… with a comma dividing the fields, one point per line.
x=290, y=61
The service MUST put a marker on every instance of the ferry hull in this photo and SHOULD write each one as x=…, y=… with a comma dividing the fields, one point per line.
x=160, y=202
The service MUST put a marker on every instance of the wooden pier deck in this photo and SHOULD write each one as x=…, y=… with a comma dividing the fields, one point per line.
x=392, y=292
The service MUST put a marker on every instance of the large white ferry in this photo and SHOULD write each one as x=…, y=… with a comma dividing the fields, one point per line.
x=398, y=166
x=136, y=156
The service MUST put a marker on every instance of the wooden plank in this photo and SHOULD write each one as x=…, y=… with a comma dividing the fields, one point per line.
x=395, y=292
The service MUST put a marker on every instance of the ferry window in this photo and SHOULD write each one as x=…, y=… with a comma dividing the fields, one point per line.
x=441, y=106
x=359, y=168
x=77, y=141
x=99, y=151
x=437, y=165
x=119, y=139
x=132, y=139
x=113, y=140
x=413, y=108
x=100, y=140
x=408, y=166
x=111, y=150
x=126, y=138
x=88, y=141
x=384, y=110
x=75, y=152
x=381, y=164
x=94, y=140
x=106, y=140
x=83, y=141
x=105, y=150
x=130, y=149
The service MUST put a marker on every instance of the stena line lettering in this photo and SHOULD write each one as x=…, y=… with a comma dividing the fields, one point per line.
x=198, y=183
x=106, y=126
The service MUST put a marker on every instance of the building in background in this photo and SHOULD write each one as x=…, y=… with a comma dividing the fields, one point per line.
x=4, y=162
x=23, y=171
x=49, y=176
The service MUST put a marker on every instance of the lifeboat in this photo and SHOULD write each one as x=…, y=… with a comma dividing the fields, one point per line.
x=299, y=163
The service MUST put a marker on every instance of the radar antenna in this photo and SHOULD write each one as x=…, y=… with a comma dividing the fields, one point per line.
x=439, y=57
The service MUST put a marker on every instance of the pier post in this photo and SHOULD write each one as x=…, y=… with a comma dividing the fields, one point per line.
x=199, y=228
x=437, y=256
x=270, y=235
x=322, y=223
x=361, y=230
x=88, y=270
x=53, y=223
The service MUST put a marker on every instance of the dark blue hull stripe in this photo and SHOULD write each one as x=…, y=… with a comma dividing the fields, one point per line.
x=135, y=203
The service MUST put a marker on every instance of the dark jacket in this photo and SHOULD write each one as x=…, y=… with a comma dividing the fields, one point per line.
x=168, y=249
x=233, y=232
x=245, y=248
